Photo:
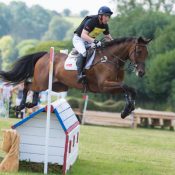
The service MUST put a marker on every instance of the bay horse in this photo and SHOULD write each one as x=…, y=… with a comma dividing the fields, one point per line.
x=106, y=74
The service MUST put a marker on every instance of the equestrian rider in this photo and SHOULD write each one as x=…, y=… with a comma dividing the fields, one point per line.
x=86, y=33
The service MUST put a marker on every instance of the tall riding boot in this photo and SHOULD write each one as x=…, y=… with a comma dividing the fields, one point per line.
x=81, y=61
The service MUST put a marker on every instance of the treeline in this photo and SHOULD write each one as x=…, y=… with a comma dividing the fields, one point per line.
x=23, y=28
x=157, y=89
x=22, y=22
x=145, y=18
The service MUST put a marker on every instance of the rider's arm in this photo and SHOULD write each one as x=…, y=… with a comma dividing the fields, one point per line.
x=86, y=37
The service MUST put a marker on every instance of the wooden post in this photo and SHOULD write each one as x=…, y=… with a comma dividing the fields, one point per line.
x=48, y=109
x=85, y=97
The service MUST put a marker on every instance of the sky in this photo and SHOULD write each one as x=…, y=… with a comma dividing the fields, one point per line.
x=74, y=5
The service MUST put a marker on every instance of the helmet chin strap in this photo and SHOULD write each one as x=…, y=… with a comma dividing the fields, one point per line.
x=100, y=19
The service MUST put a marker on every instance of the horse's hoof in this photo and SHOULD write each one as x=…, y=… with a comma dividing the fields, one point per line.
x=127, y=110
x=30, y=105
x=19, y=108
x=124, y=114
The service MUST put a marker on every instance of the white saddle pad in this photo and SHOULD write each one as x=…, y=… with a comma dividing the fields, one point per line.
x=70, y=63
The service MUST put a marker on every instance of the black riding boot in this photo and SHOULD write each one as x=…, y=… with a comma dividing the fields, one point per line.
x=81, y=61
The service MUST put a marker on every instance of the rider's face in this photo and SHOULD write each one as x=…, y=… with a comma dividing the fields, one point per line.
x=105, y=19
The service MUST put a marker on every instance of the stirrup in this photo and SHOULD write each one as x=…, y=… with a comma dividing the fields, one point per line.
x=80, y=78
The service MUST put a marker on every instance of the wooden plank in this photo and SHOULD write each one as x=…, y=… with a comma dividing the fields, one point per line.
x=40, y=121
x=107, y=119
x=66, y=114
x=72, y=158
x=155, y=118
x=40, y=132
x=39, y=149
x=70, y=121
x=153, y=112
x=35, y=140
x=63, y=107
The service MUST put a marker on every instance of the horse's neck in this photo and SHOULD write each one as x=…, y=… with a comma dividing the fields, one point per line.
x=121, y=51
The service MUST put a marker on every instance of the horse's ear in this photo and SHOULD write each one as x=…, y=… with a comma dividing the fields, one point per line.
x=148, y=40
x=143, y=40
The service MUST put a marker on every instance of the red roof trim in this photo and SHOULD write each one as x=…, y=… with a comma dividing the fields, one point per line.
x=72, y=127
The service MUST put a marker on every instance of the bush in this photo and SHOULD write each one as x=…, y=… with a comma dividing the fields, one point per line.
x=74, y=102
x=107, y=106
x=45, y=46
x=109, y=102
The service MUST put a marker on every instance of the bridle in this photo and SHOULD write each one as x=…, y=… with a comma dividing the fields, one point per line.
x=136, y=52
x=116, y=59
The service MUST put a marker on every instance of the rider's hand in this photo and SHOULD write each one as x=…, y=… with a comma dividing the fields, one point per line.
x=96, y=44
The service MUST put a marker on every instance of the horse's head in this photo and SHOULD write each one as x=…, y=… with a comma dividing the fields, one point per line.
x=138, y=54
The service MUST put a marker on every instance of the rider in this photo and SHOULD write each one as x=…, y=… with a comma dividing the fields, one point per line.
x=86, y=33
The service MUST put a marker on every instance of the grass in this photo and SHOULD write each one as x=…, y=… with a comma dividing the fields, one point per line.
x=118, y=151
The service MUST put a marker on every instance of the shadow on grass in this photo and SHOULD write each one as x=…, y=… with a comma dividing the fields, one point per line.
x=39, y=167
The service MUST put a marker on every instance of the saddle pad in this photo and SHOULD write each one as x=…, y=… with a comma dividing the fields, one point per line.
x=70, y=63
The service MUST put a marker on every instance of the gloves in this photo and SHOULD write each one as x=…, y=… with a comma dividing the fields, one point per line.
x=96, y=44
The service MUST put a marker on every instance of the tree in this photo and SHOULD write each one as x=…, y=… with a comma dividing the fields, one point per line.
x=8, y=51
x=66, y=12
x=28, y=23
x=25, y=45
x=123, y=6
x=164, y=41
x=4, y=23
x=161, y=74
x=171, y=98
x=84, y=13
x=40, y=20
x=139, y=22
x=45, y=46
x=58, y=28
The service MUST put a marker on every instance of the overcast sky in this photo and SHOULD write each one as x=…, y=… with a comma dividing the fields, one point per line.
x=74, y=5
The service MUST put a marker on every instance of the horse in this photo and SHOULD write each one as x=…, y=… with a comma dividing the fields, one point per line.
x=105, y=75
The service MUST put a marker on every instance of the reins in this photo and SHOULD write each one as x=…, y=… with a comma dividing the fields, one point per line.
x=131, y=66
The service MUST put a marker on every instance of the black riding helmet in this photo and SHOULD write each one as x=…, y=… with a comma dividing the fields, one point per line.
x=104, y=10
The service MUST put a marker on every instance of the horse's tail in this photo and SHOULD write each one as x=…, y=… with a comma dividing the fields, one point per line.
x=22, y=69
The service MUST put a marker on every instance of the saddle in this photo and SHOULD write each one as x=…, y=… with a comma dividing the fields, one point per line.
x=90, y=52
x=70, y=63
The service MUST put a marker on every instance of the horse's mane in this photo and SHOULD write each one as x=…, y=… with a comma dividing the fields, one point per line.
x=118, y=41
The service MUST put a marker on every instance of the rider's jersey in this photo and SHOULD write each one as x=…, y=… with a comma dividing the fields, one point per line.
x=93, y=26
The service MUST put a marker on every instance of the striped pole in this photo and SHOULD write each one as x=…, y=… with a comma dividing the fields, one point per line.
x=85, y=97
x=48, y=109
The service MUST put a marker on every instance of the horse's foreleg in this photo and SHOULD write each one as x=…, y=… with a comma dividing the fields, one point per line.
x=34, y=100
x=129, y=98
x=130, y=95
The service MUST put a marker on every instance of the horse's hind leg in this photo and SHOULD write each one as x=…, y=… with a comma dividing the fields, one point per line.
x=24, y=97
x=34, y=100
x=59, y=87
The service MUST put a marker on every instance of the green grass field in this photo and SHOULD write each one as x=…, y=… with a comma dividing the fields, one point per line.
x=119, y=151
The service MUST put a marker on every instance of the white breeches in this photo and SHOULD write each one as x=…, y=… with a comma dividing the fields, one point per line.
x=80, y=44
